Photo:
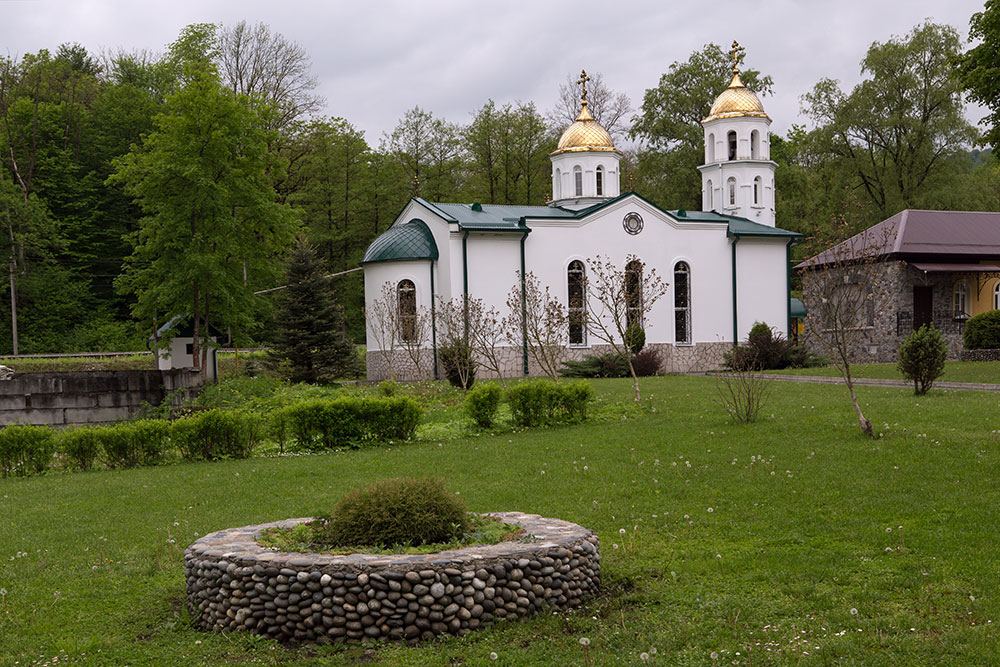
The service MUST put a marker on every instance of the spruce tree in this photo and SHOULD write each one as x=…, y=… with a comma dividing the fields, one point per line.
x=309, y=325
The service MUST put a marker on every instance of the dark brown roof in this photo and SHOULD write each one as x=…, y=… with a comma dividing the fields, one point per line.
x=924, y=233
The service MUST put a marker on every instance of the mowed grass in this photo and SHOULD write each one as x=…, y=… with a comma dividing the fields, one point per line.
x=767, y=544
x=987, y=372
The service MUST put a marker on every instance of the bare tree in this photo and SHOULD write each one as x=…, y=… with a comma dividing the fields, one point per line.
x=541, y=321
x=258, y=63
x=841, y=286
x=618, y=299
x=608, y=108
x=459, y=323
x=487, y=338
x=743, y=390
x=382, y=318
x=414, y=327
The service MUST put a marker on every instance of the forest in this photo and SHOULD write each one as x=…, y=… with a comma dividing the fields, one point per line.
x=137, y=186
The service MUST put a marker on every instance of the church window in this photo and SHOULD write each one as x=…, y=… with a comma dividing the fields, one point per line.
x=756, y=190
x=578, y=181
x=731, y=186
x=755, y=145
x=709, y=197
x=600, y=181
x=732, y=144
x=577, y=311
x=996, y=296
x=557, y=185
x=406, y=294
x=711, y=148
x=682, y=303
x=633, y=293
x=961, y=300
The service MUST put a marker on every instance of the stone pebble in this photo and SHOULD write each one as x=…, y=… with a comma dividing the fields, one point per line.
x=234, y=584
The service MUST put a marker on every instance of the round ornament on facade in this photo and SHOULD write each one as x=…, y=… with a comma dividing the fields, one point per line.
x=632, y=223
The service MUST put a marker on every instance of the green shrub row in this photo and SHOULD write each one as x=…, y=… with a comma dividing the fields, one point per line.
x=532, y=403
x=347, y=421
x=203, y=436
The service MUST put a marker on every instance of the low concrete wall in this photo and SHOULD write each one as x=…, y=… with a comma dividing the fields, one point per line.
x=235, y=584
x=86, y=397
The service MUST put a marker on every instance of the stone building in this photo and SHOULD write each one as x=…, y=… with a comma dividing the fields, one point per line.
x=922, y=267
x=727, y=266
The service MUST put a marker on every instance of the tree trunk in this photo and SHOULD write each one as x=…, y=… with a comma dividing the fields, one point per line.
x=635, y=378
x=196, y=316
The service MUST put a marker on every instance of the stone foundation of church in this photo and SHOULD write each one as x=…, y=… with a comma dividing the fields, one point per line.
x=420, y=366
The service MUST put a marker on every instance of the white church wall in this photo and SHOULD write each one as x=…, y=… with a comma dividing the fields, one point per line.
x=376, y=275
x=494, y=260
x=761, y=263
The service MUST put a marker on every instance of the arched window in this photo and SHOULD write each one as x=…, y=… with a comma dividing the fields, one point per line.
x=732, y=144
x=757, y=185
x=633, y=293
x=710, y=154
x=599, y=174
x=406, y=295
x=682, y=303
x=577, y=311
x=709, y=197
x=557, y=185
x=578, y=181
x=731, y=186
x=996, y=296
x=755, y=145
x=961, y=300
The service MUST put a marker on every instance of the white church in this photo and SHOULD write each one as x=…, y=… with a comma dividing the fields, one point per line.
x=727, y=266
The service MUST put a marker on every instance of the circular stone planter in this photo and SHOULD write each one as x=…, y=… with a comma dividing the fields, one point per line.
x=233, y=583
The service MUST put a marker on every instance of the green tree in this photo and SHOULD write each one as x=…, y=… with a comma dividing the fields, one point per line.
x=921, y=358
x=979, y=68
x=669, y=124
x=212, y=228
x=900, y=129
x=429, y=151
x=308, y=322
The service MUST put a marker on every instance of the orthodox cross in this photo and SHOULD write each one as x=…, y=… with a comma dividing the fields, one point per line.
x=736, y=56
x=583, y=82
x=416, y=186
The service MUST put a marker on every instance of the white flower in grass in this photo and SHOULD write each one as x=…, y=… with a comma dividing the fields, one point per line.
x=854, y=612
x=621, y=530
x=584, y=641
x=644, y=656
x=710, y=510
x=714, y=655
x=493, y=656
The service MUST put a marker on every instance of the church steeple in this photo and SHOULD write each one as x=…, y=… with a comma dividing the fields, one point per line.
x=585, y=163
x=738, y=174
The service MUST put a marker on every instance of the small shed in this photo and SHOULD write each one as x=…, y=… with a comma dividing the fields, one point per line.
x=179, y=352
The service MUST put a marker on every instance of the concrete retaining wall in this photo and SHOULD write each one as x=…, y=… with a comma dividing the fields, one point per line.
x=235, y=584
x=86, y=397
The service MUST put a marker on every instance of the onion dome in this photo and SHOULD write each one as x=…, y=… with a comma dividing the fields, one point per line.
x=586, y=134
x=737, y=100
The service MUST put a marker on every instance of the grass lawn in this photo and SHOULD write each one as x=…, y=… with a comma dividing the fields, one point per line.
x=769, y=544
x=954, y=371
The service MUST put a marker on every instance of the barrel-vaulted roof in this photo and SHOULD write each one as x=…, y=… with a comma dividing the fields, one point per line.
x=405, y=241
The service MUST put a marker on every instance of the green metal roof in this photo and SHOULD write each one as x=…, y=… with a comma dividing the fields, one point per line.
x=410, y=240
x=497, y=217
x=798, y=309
x=744, y=227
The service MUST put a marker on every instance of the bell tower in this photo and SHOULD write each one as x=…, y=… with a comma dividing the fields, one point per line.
x=585, y=164
x=738, y=175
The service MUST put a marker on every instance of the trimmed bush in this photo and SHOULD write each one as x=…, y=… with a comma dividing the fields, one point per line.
x=766, y=349
x=217, y=434
x=322, y=424
x=921, y=358
x=536, y=402
x=132, y=444
x=81, y=446
x=457, y=361
x=982, y=332
x=573, y=398
x=25, y=450
x=397, y=511
x=635, y=338
x=647, y=362
x=482, y=403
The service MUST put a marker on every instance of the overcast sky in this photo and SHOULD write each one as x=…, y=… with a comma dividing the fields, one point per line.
x=374, y=60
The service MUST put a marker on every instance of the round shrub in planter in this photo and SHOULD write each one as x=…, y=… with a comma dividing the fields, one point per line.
x=401, y=510
x=982, y=332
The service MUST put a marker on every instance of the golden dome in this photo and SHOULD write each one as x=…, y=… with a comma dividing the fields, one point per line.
x=735, y=101
x=586, y=134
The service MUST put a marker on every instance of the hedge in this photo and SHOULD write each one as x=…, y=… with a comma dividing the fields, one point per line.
x=322, y=424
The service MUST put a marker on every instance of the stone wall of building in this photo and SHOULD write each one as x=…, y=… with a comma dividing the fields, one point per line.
x=235, y=584
x=891, y=310
x=675, y=359
x=87, y=397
